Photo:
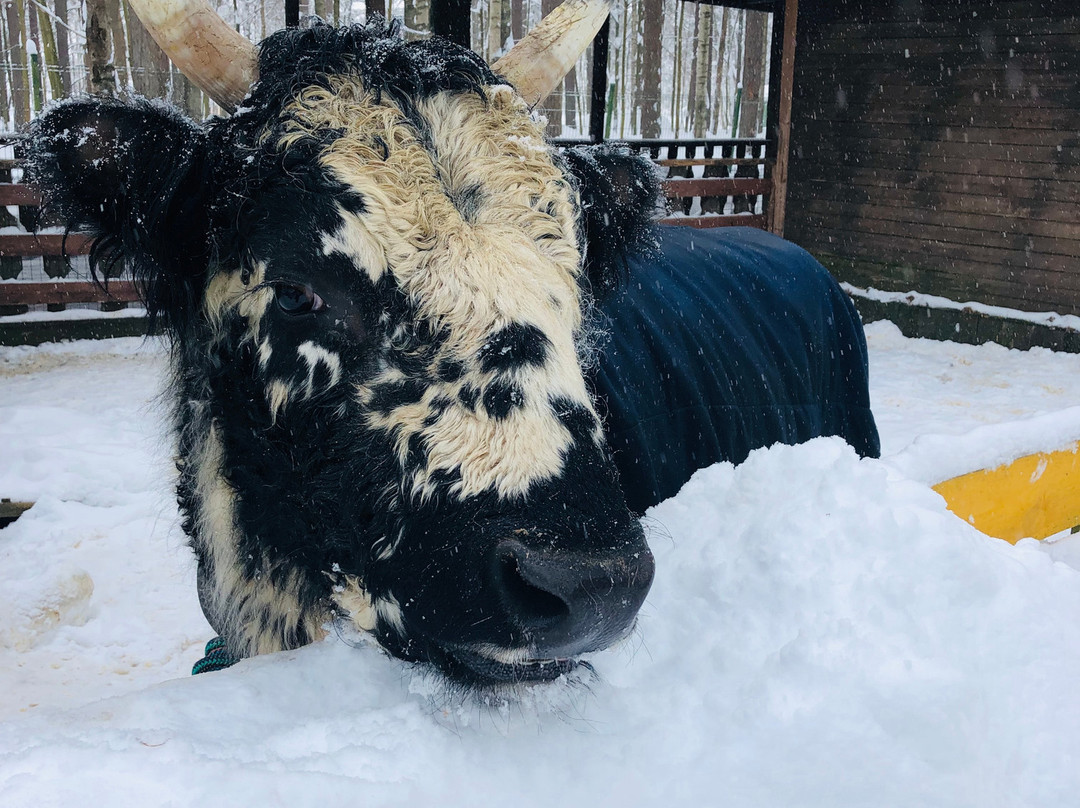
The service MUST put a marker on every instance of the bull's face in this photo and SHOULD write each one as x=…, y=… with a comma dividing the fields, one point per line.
x=377, y=302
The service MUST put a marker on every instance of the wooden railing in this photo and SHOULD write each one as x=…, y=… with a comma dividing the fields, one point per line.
x=36, y=269
x=709, y=182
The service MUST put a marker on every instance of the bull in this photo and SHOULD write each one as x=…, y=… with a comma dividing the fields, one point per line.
x=382, y=288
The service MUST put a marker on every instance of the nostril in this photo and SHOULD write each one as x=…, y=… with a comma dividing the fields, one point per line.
x=531, y=604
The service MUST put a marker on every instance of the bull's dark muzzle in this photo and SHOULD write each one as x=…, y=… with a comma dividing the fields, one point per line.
x=568, y=603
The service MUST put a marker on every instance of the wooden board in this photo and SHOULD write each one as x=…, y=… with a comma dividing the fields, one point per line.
x=734, y=220
x=1035, y=496
x=716, y=186
x=683, y=162
x=19, y=195
x=16, y=294
x=44, y=244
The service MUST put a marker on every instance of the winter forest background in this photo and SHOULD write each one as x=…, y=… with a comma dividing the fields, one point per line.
x=675, y=69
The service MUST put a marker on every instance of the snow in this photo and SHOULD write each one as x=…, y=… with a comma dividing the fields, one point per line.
x=821, y=630
x=1048, y=318
x=74, y=313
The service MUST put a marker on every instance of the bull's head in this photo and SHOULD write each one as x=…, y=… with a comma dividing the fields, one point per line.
x=374, y=275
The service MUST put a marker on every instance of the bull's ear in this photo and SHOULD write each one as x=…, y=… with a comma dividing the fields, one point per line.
x=131, y=174
x=620, y=197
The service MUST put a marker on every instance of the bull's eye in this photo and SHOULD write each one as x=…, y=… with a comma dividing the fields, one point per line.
x=294, y=298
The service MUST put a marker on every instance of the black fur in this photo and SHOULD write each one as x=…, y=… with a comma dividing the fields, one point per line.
x=501, y=398
x=516, y=345
x=132, y=174
x=620, y=197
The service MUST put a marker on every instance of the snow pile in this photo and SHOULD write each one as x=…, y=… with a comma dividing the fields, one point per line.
x=821, y=632
x=97, y=593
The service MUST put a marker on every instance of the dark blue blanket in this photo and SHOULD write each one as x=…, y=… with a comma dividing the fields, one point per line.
x=730, y=340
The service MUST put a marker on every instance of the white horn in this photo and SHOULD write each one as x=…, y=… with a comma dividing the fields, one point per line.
x=544, y=56
x=205, y=48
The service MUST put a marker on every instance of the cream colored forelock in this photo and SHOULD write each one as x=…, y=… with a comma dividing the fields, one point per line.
x=509, y=256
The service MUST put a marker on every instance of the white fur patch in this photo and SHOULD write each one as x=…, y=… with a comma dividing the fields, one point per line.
x=352, y=599
x=353, y=241
x=265, y=352
x=507, y=656
x=251, y=606
x=313, y=354
x=389, y=611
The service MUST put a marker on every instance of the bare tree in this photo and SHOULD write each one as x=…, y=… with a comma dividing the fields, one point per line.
x=517, y=19
x=102, y=75
x=719, y=95
x=695, y=51
x=703, y=61
x=33, y=46
x=119, y=42
x=5, y=104
x=652, y=15
x=676, y=107
x=50, y=60
x=63, y=50
x=186, y=95
x=417, y=14
x=620, y=55
x=498, y=29
x=20, y=91
x=753, y=74
x=149, y=64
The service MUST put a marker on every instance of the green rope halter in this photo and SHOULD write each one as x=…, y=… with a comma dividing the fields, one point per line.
x=216, y=658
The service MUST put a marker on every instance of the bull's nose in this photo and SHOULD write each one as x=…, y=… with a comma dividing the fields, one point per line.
x=572, y=602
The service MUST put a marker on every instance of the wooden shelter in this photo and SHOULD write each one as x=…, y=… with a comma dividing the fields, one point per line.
x=935, y=147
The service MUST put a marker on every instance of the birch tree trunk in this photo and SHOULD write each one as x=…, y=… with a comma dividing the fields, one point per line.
x=634, y=59
x=33, y=45
x=20, y=89
x=676, y=95
x=691, y=85
x=620, y=69
x=102, y=75
x=50, y=61
x=496, y=10
x=704, y=70
x=719, y=96
x=5, y=98
x=416, y=18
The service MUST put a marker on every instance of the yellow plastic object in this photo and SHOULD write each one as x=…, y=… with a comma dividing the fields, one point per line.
x=1037, y=495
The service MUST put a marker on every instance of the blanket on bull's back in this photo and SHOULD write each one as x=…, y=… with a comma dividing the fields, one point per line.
x=725, y=341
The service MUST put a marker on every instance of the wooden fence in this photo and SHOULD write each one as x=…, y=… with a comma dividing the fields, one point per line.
x=708, y=183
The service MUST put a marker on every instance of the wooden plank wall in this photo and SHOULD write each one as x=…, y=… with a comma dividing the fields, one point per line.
x=936, y=147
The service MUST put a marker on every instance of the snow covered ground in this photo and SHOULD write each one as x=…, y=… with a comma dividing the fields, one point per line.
x=821, y=630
